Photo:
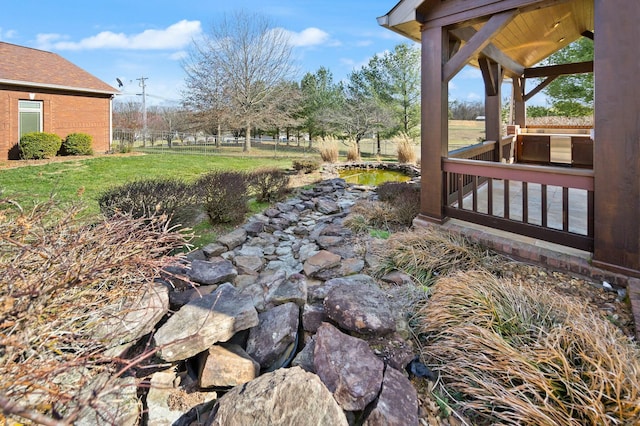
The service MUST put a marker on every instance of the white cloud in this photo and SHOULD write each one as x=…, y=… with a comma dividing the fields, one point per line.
x=470, y=72
x=308, y=37
x=175, y=36
x=8, y=34
x=177, y=56
x=473, y=96
x=452, y=85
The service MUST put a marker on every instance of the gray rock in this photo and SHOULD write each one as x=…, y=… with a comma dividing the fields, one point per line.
x=347, y=367
x=213, y=250
x=226, y=365
x=285, y=397
x=293, y=289
x=360, y=308
x=319, y=292
x=254, y=227
x=161, y=387
x=214, y=271
x=114, y=401
x=251, y=250
x=274, y=335
x=304, y=358
x=312, y=317
x=234, y=238
x=320, y=261
x=136, y=315
x=397, y=404
x=249, y=265
x=326, y=206
x=199, y=324
x=306, y=251
x=397, y=278
x=178, y=299
x=326, y=241
x=243, y=281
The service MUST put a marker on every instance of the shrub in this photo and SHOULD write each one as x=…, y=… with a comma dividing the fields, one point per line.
x=329, y=151
x=146, y=198
x=405, y=199
x=520, y=353
x=224, y=195
x=353, y=154
x=306, y=165
x=38, y=145
x=268, y=185
x=406, y=151
x=77, y=144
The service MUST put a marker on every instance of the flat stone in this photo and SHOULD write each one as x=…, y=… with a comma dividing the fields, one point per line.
x=212, y=271
x=251, y=250
x=397, y=404
x=348, y=367
x=254, y=227
x=293, y=289
x=325, y=241
x=213, y=250
x=397, y=278
x=289, y=396
x=321, y=261
x=274, y=335
x=178, y=299
x=312, y=317
x=249, y=264
x=161, y=387
x=320, y=291
x=215, y=317
x=226, y=365
x=307, y=250
x=360, y=308
x=234, y=238
x=326, y=206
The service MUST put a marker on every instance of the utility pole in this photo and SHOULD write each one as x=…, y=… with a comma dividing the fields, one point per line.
x=144, y=109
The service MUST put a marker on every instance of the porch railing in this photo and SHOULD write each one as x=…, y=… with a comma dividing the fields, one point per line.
x=522, y=199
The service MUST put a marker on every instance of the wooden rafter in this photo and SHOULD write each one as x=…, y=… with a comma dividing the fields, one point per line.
x=539, y=87
x=558, y=70
x=490, y=51
x=477, y=43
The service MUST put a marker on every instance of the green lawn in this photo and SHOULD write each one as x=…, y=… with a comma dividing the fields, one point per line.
x=86, y=179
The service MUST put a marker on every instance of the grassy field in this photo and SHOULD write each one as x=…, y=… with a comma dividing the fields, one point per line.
x=86, y=179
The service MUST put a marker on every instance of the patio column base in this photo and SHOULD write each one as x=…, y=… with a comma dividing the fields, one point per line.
x=425, y=221
x=615, y=268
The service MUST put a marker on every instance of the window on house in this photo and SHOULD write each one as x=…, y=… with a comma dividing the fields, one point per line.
x=29, y=116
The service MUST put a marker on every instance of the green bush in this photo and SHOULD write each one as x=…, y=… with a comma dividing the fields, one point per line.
x=306, y=165
x=224, y=195
x=77, y=144
x=146, y=198
x=269, y=184
x=37, y=145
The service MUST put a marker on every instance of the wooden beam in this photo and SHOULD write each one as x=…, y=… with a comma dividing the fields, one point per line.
x=558, y=70
x=519, y=107
x=479, y=41
x=539, y=87
x=510, y=66
x=452, y=12
x=489, y=75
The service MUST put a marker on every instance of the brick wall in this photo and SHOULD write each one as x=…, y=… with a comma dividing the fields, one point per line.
x=63, y=113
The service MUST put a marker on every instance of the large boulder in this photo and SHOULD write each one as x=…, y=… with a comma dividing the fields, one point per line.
x=214, y=271
x=215, y=317
x=284, y=397
x=226, y=365
x=348, y=367
x=273, y=340
x=397, y=404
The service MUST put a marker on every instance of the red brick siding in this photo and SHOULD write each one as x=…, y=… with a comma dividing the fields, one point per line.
x=63, y=113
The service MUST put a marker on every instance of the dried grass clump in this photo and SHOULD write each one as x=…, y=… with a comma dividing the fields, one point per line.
x=406, y=149
x=519, y=353
x=427, y=253
x=58, y=274
x=329, y=151
x=353, y=153
x=366, y=215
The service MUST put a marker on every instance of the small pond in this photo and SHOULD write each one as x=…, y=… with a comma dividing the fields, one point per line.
x=373, y=177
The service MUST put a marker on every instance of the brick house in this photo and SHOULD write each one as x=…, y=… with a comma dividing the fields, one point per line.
x=41, y=91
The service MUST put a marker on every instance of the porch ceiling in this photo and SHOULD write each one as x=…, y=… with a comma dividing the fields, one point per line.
x=538, y=29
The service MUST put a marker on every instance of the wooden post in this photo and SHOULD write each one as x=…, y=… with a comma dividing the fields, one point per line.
x=492, y=76
x=617, y=136
x=519, y=106
x=434, y=127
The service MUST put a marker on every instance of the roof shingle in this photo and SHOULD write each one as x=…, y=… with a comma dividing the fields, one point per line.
x=33, y=67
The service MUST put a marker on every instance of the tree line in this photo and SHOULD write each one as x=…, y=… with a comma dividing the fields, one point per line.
x=241, y=76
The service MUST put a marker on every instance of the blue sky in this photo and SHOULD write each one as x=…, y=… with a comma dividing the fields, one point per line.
x=133, y=39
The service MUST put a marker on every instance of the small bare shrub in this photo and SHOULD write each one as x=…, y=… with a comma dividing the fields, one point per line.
x=224, y=195
x=268, y=185
x=406, y=150
x=307, y=165
x=59, y=276
x=404, y=198
x=329, y=151
x=353, y=153
x=145, y=198
x=369, y=214
x=518, y=353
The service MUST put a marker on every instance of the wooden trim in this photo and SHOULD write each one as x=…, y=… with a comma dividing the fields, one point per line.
x=581, y=242
x=539, y=87
x=512, y=67
x=471, y=151
x=559, y=176
x=453, y=12
x=558, y=70
x=479, y=41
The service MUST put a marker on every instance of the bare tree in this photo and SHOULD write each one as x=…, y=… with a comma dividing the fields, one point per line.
x=241, y=63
